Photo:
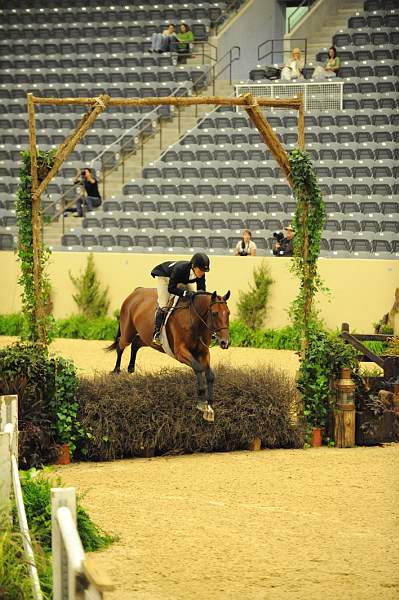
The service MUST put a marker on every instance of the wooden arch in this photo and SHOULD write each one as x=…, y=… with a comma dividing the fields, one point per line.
x=98, y=105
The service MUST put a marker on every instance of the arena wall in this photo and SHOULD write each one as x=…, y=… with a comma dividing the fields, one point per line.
x=361, y=290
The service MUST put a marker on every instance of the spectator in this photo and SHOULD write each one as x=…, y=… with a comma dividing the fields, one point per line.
x=245, y=247
x=165, y=41
x=331, y=68
x=185, y=38
x=293, y=69
x=92, y=199
x=284, y=245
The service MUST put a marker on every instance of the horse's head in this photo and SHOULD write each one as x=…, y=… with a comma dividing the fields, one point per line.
x=220, y=318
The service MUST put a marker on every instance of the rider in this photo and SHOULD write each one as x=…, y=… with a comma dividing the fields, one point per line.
x=174, y=278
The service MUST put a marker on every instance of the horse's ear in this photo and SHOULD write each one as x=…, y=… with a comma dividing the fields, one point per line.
x=214, y=294
x=226, y=296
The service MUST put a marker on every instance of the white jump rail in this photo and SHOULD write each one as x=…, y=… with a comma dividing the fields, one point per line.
x=9, y=479
x=75, y=576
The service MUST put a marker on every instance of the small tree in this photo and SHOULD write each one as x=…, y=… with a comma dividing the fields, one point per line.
x=91, y=300
x=252, y=305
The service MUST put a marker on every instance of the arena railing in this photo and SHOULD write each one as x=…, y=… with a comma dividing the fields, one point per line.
x=10, y=482
x=317, y=96
x=275, y=48
x=299, y=13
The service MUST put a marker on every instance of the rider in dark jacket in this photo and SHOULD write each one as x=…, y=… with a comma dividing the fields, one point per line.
x=173, y=279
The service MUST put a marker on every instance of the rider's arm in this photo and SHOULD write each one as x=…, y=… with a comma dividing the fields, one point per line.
x=174, y=280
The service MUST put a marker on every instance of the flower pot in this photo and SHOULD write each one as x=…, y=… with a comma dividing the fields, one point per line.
x=64, y=455
x=316, y=439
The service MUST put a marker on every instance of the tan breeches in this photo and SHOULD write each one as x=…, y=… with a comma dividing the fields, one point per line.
x=163, y=293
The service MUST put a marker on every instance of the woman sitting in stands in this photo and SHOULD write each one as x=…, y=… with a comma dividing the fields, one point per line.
x=331, y=67
x=165, y=41
x=245, y=247
x=185, y=38
x=293, y=69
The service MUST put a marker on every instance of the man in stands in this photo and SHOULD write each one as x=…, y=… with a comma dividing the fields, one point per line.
x=177, y=278
x=284, y=245
x=92, y=199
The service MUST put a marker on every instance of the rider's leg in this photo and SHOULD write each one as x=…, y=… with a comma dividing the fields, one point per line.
x=163, y=299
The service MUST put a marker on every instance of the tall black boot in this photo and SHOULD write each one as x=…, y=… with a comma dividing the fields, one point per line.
x=159, y=319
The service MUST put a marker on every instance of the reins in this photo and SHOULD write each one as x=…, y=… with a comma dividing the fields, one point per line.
x=203, y=319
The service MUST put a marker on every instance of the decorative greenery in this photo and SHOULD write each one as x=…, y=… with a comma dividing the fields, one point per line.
x=326, y=355
x=252, y=305
x=91, y=300
x=286, y=338
x=309, y=219
x=47, y=397
x=37, y=321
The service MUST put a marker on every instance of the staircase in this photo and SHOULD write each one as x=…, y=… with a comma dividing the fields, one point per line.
x=323, y=37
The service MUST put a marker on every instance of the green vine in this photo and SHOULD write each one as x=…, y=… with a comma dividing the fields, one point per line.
x=309, y=219
x=37, y=323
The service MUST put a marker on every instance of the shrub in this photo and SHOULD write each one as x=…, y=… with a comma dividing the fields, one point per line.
x=90, y=299
x=286, y=338
x=12, y=324
x=47, y=406
x=252, y=305
x=125, y=414
x=78, y=326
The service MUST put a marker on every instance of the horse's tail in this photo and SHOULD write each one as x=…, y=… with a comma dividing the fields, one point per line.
x=114, y=346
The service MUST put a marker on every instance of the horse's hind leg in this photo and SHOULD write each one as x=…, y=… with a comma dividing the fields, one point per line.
x=135, y=346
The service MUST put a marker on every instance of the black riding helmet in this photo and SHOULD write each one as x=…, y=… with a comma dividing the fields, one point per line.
x=201, y=261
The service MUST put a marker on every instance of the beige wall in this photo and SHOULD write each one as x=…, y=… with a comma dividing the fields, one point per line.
x=361, y=290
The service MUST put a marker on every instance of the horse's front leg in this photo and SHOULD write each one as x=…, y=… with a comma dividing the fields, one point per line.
x=210, y=379
x=203, y=403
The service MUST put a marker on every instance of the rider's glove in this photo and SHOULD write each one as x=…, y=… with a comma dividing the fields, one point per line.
x=189, y=294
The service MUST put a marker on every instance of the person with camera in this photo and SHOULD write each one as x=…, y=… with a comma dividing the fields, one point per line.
x=284, y=245
x=92, y=199
x=245, y=247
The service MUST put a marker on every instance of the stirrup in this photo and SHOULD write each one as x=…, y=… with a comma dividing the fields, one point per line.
x=157, y=338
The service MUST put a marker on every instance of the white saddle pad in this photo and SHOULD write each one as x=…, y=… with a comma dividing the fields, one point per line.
x=164, y=335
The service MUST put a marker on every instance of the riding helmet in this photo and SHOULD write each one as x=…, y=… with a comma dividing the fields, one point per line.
x=201, y=261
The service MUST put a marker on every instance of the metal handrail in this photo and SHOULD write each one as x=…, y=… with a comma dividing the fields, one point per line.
x=308, y=4
x=273, y=51
x=233, y=5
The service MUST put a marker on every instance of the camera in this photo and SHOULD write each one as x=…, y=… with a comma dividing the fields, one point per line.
x=278, y=236
x=243, y=253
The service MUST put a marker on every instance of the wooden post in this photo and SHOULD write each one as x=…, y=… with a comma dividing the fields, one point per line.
x=36, y=227
x=69, y=144
x=63, y=577
x=267, y=133
x=344, y=429
x=9, y=414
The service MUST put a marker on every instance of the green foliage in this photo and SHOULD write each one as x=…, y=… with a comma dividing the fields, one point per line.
x=78, y=326
x=12, y=324
x=47, y=396
x=326, y=355
x=91, y=300
x=286, y=338
x=36, y=489
x=309, y=219
x=37, y=326
x=252, y=305
x=15, y=581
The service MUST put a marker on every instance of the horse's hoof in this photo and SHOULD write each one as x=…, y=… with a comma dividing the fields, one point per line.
x=209, y=414
x=116, y=371
x=202, y=406
x=130, y=370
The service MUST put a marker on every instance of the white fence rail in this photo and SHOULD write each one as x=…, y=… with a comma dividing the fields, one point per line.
x=317, y=96
x=75, y=577
x=9, y=480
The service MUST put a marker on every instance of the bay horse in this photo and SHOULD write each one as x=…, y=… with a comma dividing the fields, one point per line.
x=189, y=329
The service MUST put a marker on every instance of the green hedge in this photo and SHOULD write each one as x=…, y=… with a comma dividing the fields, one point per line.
x=105, y=328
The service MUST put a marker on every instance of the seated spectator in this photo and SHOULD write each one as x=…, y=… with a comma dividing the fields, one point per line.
x=92, y=198
x=284, y=245
x=165, y=41
x=245, y=247
x=331, y=68
x=294, y=67
x=185, y=38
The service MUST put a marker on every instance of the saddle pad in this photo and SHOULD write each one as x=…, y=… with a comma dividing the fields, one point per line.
x=164, y=335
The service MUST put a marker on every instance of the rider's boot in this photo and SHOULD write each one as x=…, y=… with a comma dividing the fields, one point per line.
x=159, y=319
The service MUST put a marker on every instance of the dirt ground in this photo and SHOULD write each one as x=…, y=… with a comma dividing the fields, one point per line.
x=270, y=525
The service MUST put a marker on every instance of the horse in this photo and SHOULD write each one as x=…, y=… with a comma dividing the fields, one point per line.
x=189, y=329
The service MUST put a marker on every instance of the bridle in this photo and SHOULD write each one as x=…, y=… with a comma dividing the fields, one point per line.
x=204, y=319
